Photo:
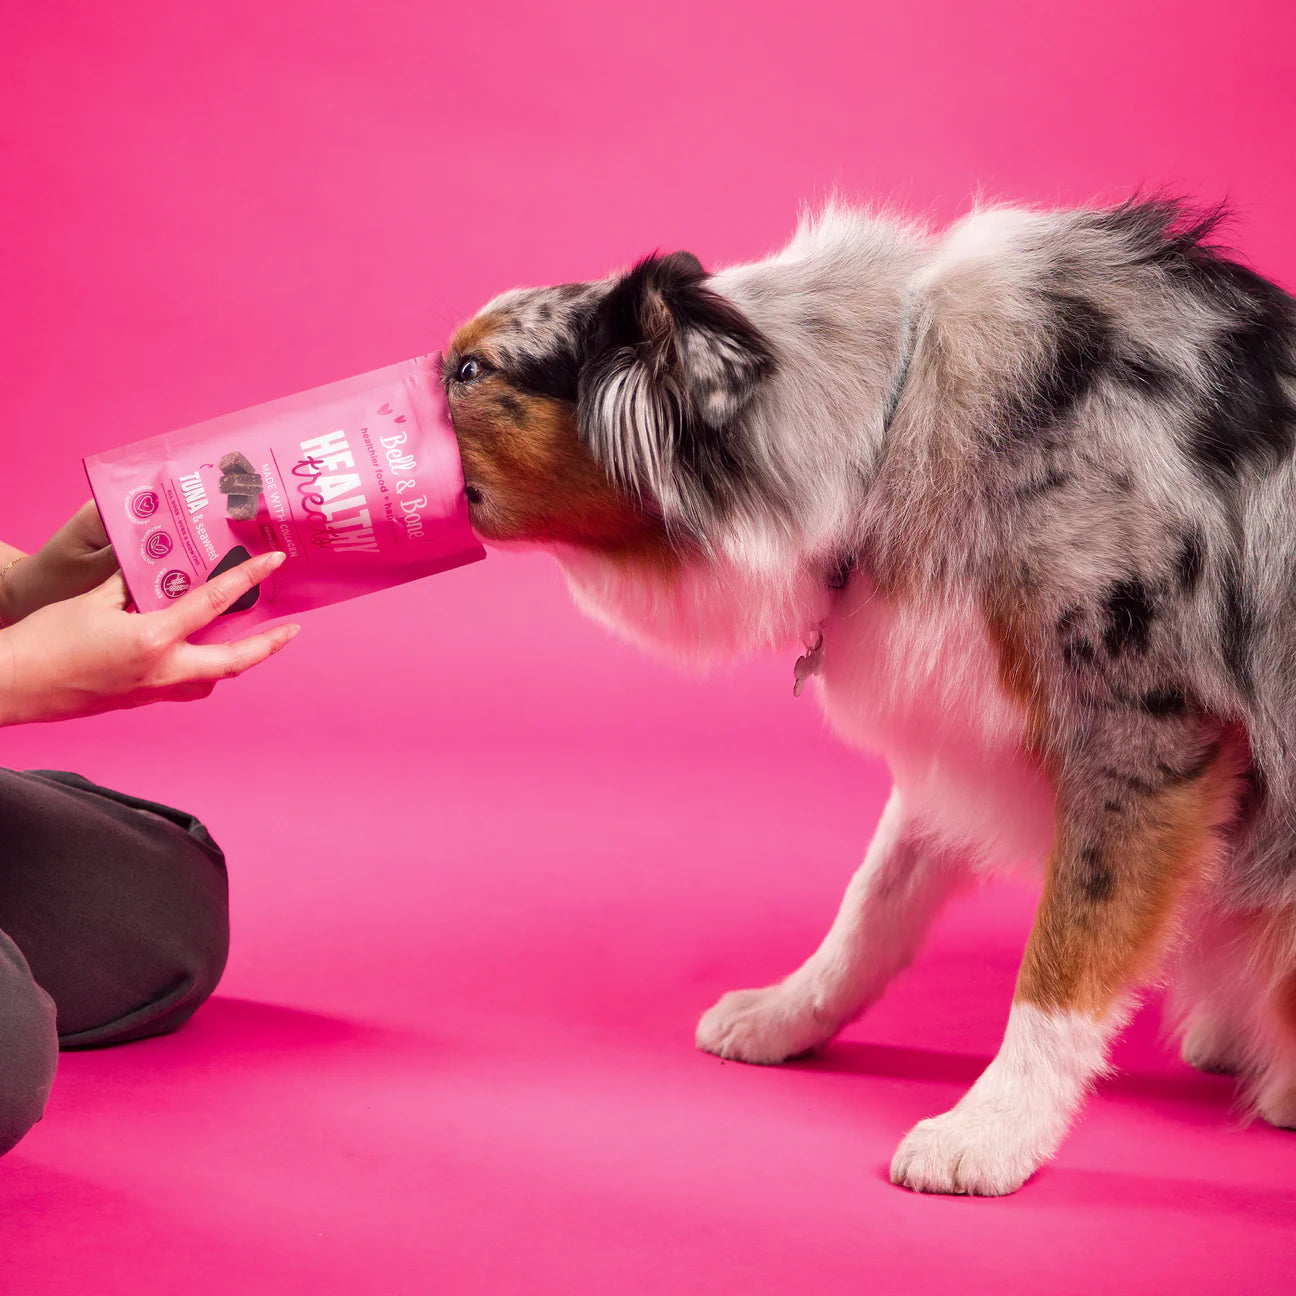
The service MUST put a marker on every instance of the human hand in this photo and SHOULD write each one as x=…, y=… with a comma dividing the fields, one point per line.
x=87, y=654
x=74, y=560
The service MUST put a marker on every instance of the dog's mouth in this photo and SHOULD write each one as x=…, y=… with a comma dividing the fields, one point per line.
x=479, y=512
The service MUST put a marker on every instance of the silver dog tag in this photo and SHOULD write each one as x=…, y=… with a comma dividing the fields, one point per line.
x=809, y=663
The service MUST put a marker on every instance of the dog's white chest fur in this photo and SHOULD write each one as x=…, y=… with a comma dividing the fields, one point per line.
x=918, y=683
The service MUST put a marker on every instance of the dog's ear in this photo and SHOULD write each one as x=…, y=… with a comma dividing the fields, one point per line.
x=671, y=366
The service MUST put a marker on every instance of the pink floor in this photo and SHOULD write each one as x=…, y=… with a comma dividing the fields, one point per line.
x=489, y=865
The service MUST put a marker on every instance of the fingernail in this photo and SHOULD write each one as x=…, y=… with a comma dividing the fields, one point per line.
x=276, y=560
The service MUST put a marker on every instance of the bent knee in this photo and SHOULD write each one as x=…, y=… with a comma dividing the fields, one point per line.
x=206, y=954
x=174, y=971
x=162, y=960
x=28, y=1047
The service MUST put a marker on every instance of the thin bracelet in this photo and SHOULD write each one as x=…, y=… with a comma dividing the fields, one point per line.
x=4, y=571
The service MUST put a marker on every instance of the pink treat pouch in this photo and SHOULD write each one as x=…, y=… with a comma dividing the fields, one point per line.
x=358, y=482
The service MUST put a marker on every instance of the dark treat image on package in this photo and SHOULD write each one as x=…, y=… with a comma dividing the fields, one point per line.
x=236, y=463
x=241, y=484
x=242, y=508
x=232, y=559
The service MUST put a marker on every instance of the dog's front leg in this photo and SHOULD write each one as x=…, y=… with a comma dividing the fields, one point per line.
x=1129, y=847
x=883, y=917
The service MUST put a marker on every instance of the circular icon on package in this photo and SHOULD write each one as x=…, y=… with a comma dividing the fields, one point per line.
x=175, y=583
x=157, y=544
x=143, y=504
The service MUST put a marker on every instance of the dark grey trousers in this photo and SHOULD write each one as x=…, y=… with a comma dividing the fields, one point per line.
x=114, y=925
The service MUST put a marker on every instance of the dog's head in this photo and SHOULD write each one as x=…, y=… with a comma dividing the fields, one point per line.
x=607, y=415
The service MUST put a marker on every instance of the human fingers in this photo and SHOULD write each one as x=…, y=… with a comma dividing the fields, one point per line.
x=100, y=564
x=112, y=591
x=88, y=527
x=225, y=661
x=204, y=603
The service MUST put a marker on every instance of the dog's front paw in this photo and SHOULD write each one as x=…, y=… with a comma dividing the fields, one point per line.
x=764, y=1026
x=966, y=1151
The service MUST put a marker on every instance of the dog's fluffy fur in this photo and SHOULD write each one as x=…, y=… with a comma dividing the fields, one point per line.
x=1033, y=481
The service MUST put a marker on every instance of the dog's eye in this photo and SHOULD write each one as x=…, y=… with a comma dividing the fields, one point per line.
x=467, y=371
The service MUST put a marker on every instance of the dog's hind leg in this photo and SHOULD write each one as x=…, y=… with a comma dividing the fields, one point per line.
x=1212, y=1041
x=1218, y=983
x=1236, y=997
x=1275, y=1096
x=887, y=909
x=1128, y=855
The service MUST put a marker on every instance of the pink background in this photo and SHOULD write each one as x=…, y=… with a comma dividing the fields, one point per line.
x=489, y=865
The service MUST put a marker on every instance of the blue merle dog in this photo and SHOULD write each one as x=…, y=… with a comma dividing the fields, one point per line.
x=1024, y=492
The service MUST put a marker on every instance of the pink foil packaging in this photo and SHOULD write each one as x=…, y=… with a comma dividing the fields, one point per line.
x=358, y=482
